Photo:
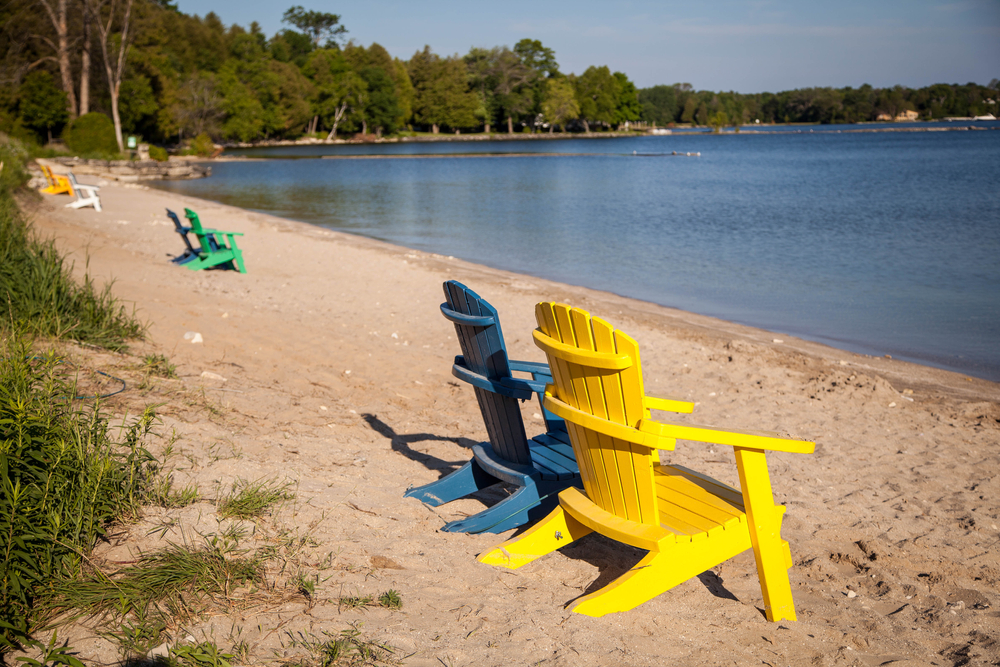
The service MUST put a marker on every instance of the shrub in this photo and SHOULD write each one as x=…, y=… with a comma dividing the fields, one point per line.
x=203, y=145
x=159, y=154
x=92, y=134
x=36, y=286
x=65, y=480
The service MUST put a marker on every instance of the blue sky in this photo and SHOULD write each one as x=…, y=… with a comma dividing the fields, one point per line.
x=747, y=46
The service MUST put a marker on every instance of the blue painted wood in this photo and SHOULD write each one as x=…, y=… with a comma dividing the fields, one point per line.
x=190, y=253
x=539, y=467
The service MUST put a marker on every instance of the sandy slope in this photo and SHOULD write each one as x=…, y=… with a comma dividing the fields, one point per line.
x=337, y=368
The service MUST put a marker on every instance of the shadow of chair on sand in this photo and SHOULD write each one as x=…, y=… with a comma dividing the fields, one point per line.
x=401, y=444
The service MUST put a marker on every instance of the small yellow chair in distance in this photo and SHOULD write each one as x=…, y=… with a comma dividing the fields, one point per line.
x=57, y=184
x=688, y=522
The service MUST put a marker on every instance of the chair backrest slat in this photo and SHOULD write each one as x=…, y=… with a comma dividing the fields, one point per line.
x=486, y=355
x=617, y=474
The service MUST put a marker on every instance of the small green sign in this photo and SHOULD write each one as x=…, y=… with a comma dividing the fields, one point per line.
x=131, y=142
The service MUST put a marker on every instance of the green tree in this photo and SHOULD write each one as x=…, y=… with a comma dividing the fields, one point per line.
x=381, y=109
x=542, y=61
x=479, y=63
x=289, y=46
x=659, y=104
x=628, y=108
x=338, y=90
x=199, y=106
x=512, y=81
x=316, y=25
x=597, y=94
x=701, y=115
x=138, y=105
x=560, y=103
x=718, y=119
x=249, y=90
x=441, y=91
x=42, y=103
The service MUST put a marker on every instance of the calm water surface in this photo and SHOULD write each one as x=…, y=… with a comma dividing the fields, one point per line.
x=881, y=243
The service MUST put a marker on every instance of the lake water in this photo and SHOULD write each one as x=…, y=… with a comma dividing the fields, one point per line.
x=879, y=243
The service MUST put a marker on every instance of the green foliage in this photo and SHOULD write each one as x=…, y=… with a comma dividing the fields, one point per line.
x=42, y=106
x=316, y=25
x=560, y=103
x=202, y=145
x=92, y=134
x=718, y=119
x=441, y=91
x=158, y=153
x=381, y=109
x=345, y=649
x=659, y=104
x=206, y=654
x=13, y=176
x=252, y=500
x=37, y=289
x=65, y=480
x=628, y=107
x=136, y=103
x=52, y=654
x=597, y=93
x=173, y=583
x=159, y=364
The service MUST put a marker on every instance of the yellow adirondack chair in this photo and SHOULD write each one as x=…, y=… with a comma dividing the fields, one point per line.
x=57, y=184
x=688, y=522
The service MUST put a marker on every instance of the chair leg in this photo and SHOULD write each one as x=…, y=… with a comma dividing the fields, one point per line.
x=769, y=549
x=509, y=513
x=659, y=571
x=553, y=532
x=467, y=479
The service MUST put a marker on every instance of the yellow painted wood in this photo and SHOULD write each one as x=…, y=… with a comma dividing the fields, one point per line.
x=596, y=424
x=634, y=533
x=668, y=405
x=660, y=571
x=577, y=356
x=765, y=534
x=746, y=439
x=57, y=184
x=553, y=532
x=687, y=521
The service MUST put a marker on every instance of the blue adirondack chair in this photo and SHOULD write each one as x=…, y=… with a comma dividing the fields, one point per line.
x=541, y=466
x=190, y=253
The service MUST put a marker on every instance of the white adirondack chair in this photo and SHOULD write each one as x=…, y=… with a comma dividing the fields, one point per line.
x=86, y=195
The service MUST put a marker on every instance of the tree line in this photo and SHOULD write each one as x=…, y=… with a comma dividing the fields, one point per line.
x=168, y=77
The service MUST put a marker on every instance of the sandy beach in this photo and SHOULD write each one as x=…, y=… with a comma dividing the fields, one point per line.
x=329, y=365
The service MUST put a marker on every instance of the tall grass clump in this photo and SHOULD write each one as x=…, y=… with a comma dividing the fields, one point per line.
x=37, y=289
x=66, y=474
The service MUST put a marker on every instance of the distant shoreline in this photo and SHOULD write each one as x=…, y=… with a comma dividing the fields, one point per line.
x=546, y=136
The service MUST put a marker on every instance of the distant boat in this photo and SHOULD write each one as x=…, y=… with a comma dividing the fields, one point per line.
x=988, y=116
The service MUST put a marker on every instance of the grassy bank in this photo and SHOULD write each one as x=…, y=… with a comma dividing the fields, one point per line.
x=37, y=291
x=65, y=472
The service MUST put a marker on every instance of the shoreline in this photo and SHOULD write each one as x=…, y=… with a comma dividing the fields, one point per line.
x=329, y=365
x=546, y=136
x=870, y=351
x=950, y=382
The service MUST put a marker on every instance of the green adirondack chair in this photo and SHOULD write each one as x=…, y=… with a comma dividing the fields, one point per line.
x=218, y=248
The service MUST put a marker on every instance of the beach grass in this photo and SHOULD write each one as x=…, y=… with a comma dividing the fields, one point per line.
x=37, y=290
x=69, y=474
x=253, y=499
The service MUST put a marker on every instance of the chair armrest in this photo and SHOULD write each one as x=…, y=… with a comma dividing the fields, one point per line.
x=512, y=387
x=219, y=231
x=84, y=186
x=533, y=367
x=535, y=386
x=667, y=405
x=757, y=440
